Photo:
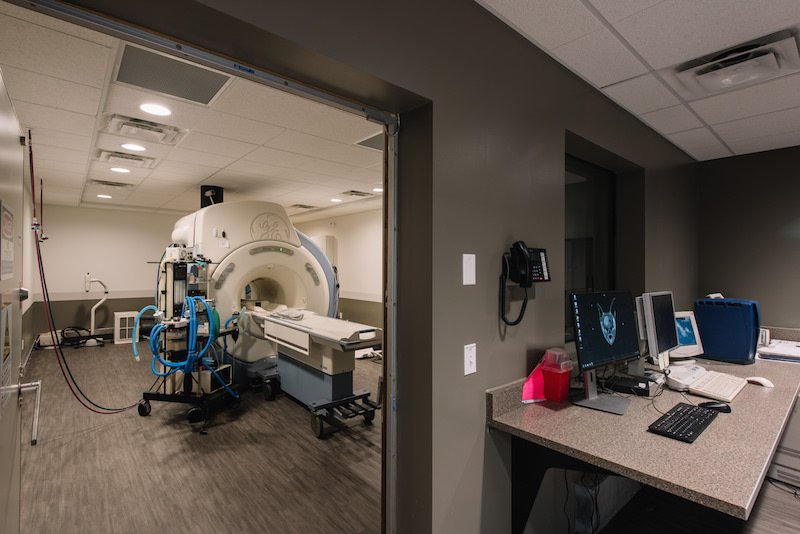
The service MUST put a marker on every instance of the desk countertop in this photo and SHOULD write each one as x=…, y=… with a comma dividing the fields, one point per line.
x=723, y=469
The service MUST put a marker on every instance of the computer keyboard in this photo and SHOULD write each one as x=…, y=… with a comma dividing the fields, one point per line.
x=683, y=422
x=717, y=386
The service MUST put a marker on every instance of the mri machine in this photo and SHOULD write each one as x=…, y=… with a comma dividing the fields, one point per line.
x=243, y=273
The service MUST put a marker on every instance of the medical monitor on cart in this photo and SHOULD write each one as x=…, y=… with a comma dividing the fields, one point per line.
x=605, y=333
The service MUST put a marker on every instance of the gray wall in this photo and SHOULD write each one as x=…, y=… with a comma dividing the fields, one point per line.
x=481, y=166
x=750, y=232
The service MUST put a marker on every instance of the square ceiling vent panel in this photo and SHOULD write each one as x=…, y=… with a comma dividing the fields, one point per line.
x=154, y=72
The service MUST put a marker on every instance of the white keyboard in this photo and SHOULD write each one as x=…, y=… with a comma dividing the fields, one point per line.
x=717, y=386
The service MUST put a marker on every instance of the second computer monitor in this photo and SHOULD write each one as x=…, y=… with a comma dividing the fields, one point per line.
x=657, y=321
x=688, y=336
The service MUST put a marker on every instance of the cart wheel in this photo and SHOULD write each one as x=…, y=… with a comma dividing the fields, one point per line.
x=144, y=408
x=368, y=417
x=270, y=390
x=195, y=415
x=317, y=425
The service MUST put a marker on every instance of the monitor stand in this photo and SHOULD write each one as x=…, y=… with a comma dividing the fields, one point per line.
x=636, y=369
x=600, y=401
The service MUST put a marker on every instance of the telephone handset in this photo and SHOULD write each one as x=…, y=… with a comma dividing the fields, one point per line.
x=522, y=266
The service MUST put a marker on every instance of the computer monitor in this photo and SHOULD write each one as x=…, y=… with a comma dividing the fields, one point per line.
x=605, y=333
x=688, y=336
x=657, y=325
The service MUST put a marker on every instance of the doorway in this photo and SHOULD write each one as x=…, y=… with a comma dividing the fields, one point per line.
x=386, y=168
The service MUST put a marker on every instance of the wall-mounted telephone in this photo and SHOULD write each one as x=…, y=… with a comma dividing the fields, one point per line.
x=522, y=266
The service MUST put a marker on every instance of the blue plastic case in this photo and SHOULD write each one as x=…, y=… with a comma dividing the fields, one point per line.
x=728, y=329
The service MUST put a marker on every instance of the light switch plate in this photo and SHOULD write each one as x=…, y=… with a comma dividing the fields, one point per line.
x=470, y=359
x=469, y=269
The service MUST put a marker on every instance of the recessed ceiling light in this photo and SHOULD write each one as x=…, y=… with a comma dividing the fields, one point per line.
x=120, y=169
x=155, y=109
x=103, y=196
x=336, y=200
x=377, y=189
x=131, y=146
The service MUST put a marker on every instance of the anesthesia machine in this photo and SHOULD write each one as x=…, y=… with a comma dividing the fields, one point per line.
x=244, y=298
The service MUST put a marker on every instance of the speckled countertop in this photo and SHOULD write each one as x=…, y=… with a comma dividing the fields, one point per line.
x=723, y=469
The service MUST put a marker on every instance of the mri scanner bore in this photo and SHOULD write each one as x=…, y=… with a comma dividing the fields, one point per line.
x=243, y=298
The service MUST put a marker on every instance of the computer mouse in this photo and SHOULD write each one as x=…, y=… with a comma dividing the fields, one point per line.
x=760, y=380
x=716, y=405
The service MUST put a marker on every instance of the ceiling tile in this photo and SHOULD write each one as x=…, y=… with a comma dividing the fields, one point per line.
x=149, y=200
x=238, y=128
x=32, y=47
x=42, y=136
x=68, y=196
x=58, y=25
x=700, y=144
x=600, y=58
x=278, y=158
x=614, y=10
x=548, y=23
x=675, y=31
x=36, y=116
x=337, y=125
x=58, y=177
x=27, y=86
x=65, y=155
x=329, y=168
x=356, y=156
x=772, y=141
x=371, y=176
x=301, y=143
x=642, y=94
x=152, y=185
x=44, y=164
x=213, y=144
x=766, y=97
x=777, y=123
x=196, y=157
x=671, y=120
x=176, y=171
x=255, y=167
x=305, y=177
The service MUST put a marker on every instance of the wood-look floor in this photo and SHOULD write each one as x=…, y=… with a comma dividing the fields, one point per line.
x=259, y=468
x=776, y=511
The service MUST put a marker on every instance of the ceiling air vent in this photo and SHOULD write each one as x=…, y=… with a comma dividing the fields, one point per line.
x=753, y=62
x=120, y=158
x=105, y=183
x=169, y=76
x=143, y=130
x=353, y=193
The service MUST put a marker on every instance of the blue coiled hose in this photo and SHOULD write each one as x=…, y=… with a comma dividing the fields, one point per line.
x=187, y=365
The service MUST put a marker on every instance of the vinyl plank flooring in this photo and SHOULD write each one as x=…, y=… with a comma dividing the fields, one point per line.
x=259, y=468
x=776, y=511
